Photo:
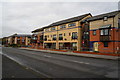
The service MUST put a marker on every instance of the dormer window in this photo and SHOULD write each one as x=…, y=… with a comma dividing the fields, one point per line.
x=53, y=28
x=71, y=24
x=105, y=18
x=62, y=26
x=47, y=29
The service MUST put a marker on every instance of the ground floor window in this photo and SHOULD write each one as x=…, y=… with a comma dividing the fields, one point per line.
x=68, y=46
x=105, y=44
x=50, y=45
x=74, y=46
x=61, y=45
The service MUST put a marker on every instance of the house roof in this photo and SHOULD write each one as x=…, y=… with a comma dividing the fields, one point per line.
x=63, y=22
x=39, y=29
x=20, y=35
x=69, y=20
x=23, y=35
x=101, y=16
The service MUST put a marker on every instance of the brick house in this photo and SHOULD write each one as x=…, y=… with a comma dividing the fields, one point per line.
x=20, y=39
x=104, y=32
x=37, y=38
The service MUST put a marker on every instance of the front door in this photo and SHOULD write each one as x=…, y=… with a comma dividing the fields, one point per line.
x=95, y=46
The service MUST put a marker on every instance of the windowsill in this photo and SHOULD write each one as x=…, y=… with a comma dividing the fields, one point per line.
x=63, y=28
x=71, y=26
x=105, y=35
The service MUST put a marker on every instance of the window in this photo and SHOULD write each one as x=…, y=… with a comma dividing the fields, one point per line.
x=69, y=34
x=34, y=38
x=54, y=37
x=86, y=32
x=62, y=26
x=60, y=37
x=23, y=40
x=71, y=24
x=18, y=39
x=105, y=44
x=53, y=28
x=74, y=35
x=74, y=46
x=64, y=34
x=48, y=36
x=105, y=19
x=94, y=32
x=104, y=32
x=29, y=37
x=47, y=29
x=86, y=36
x=45, y=38
x=119, y=23
x=41, y=37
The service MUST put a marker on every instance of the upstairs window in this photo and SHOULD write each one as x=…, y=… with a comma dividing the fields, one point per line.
x=62, y=26
x=105, y=44
x=119, y=23
x=53, y=28
x=60, y=37
x=69, y=34
x=23, y=40
x=104, y=32
x=94, y=32
x=105, y=18
x=29, y=37
x=64, y=34
x=45, y=38
x=54, y=37
x=41, y=37
x=18, y=39
x=74, y=35
x=47, y=29
x=86, y=32
x=71, y=24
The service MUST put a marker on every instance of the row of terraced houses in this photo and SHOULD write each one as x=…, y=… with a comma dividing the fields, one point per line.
x=82, y=33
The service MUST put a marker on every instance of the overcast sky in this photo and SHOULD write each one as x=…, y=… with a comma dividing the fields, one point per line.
x=24, y=17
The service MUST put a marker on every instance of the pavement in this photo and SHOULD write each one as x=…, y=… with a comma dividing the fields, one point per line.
x=77, y=54
x=61, y=66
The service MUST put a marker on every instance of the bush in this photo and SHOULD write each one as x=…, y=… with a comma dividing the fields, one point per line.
x=14, y=45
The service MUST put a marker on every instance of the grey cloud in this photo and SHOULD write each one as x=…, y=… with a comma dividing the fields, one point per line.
x=23, y=17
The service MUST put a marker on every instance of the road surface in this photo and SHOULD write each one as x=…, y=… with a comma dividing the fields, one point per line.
x=62, y=66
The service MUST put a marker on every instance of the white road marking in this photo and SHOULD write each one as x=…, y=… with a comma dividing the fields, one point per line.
x=47, y=56
x=87, y=63
x=81, y=62
x=27, y=68
x=12, y=76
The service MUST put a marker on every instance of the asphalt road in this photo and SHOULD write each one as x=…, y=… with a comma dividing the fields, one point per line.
x=11, y=69
x=62, y=66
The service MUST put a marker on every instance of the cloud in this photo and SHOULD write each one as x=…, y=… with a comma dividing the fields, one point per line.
x=23, y=17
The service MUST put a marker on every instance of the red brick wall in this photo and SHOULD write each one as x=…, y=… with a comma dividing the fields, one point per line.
x=94, y=37
x=112, y=45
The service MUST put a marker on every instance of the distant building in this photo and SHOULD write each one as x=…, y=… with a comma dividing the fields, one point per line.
x=37, y=38
x=4, y=41
x=105, y=32
x=20, y=39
